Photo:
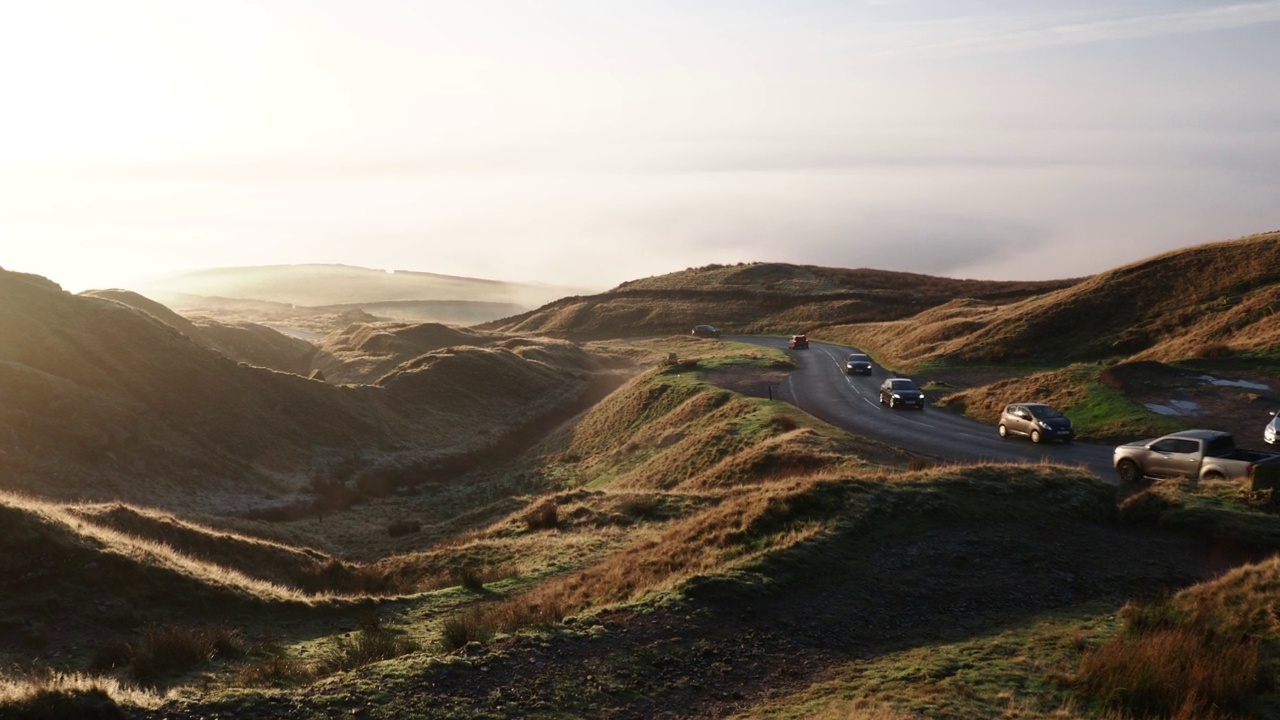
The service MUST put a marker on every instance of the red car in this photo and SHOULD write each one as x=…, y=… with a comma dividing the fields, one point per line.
x=798, y=342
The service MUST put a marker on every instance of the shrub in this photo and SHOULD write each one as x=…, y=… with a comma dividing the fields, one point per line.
x=784, y=423
x=403, y=527
x=373, y=643
x=47, y=704
x=921, y=463
x=474, y=625
x=1175, y=672
x=269, y=664
x=1212, y=350
x=469, y=578
x=640, y=506
x=1143, y=507
x=169, y=650
x=339, y=577
x=479, y=624
x=1108, y=377
x=544, y=516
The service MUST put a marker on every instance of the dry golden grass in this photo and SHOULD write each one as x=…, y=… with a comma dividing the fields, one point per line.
x=244, y=341
x=104, y=401
x=33, y=693
x=1175, y=673
x=1202, y=653
x=64, y=528
x=261, y=558
x=755, y=298
x=364, y=352
x=1164, y=308
x=666, y=430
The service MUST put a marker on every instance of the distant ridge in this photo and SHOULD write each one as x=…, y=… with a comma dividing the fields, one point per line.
x=758, y=298
x=314, y=285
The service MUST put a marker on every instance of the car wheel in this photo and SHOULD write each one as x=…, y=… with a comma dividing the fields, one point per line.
x=1129, y=471
x=1035, y=436
x=1004, y=431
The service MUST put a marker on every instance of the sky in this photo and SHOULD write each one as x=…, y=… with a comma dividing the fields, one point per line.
x=588, y=142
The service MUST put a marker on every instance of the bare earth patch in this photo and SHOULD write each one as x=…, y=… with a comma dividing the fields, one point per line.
x=1226, y=396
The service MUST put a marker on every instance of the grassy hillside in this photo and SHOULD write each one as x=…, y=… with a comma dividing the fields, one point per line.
x=364, y=352
x=244, y=342
x=756, y=298
x=677, y=550
x=1213, y=299
x=102, y=400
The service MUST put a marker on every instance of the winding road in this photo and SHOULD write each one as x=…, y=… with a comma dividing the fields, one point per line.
x=820, y=387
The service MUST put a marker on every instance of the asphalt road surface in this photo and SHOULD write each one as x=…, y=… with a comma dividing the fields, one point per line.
x=820, y=387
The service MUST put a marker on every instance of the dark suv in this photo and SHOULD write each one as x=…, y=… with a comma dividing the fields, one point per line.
x=1036, y=421
x=901, y=391
x=798, y=342
x=706, y=331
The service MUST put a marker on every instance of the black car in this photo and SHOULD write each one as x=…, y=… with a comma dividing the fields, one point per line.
x=798, y=342
x=706, y=331
x=857, y=363
x=895, y=392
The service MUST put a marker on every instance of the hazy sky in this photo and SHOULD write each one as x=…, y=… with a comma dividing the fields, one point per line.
x=587, y=142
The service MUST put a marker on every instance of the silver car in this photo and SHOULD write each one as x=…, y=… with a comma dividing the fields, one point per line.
x=1037, y=421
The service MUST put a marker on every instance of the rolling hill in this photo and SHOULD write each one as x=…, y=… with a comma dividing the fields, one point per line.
x=1218, y=298
x=243, y=342
x=288, y=294
x=538, y=538
x=756, y=298
x=102, y=400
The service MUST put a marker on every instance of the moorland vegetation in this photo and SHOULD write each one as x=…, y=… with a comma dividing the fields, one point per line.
x=461, y=523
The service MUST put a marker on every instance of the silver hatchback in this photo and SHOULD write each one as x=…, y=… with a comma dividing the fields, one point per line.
x=1037, y=421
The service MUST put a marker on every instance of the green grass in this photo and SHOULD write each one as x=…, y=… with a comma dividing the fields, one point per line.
x=1220, y=511
x=1018, y=673
x=1098, y=411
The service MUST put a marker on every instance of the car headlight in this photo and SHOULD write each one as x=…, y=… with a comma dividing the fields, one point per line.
x=896, y=396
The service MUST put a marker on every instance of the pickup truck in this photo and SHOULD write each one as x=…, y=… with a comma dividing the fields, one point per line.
x=1199, y=454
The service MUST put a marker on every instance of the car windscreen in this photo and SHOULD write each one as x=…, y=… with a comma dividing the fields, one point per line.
x=904, y=385
x=1044, y=412
x=859, y=358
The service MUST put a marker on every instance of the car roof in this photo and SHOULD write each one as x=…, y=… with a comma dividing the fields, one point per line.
x=1198, y=434
x=1031, y=405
